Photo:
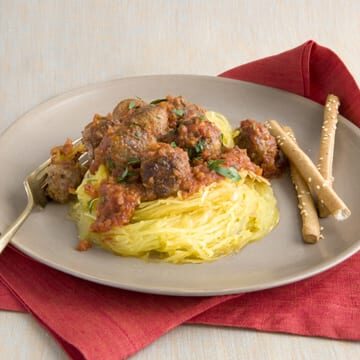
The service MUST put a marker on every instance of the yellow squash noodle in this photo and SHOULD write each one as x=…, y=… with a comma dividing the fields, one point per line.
x=219, y=220
x=223, y=125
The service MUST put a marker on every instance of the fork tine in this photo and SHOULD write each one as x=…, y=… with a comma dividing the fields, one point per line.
x=34, y=185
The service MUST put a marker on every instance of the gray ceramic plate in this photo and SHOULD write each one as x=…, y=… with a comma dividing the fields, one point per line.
x=280, y=258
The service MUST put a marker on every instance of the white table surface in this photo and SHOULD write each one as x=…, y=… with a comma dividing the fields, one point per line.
x=48, y=47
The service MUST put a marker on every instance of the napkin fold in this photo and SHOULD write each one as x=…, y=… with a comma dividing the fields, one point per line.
x=91, y=321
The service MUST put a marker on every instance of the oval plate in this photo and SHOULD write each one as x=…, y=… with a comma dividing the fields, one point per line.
x=280, y=258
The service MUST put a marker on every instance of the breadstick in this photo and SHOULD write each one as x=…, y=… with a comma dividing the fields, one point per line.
x=327, y=144
x=309, y=216
x=309, y=172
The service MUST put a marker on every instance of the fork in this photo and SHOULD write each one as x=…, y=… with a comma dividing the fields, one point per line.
x=34, y=187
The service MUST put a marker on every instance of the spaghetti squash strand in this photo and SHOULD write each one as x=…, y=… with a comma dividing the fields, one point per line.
x=220, y=219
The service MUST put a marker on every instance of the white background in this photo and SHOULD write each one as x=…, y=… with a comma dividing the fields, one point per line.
x=48, y=47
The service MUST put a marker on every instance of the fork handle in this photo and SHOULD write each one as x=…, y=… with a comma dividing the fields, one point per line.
x=14, y=227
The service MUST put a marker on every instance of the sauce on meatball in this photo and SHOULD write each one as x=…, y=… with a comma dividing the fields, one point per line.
x=200, y=138
x=154, y=151
x=164, y=170
x=261, y=147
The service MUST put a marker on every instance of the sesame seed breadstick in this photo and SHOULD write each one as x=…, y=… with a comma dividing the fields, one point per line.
x=308, y=213
x=309, y=172
x=327, y=143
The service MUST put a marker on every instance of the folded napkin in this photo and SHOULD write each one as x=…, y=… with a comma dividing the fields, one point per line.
x=92, y=321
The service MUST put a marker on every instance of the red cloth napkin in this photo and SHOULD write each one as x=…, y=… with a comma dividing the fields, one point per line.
x=92, y=321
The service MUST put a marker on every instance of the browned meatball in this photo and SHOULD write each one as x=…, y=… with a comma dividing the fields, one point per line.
x=164, y=169
x=125, y=108
x=200, y=138
x=179, y=110
x=119, y=147
x=130, y=139
x=261, y=147
x=65, y=172
x=62, y=181
x=150, y=118
x=95, y=131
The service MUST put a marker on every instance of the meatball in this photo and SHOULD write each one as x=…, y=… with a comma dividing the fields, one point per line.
x=130, y=139
x=120, y=146
x=261, y=147
x=95, y=131
x=125, y=108
x=62, y=181
x=178, y=110
x=164, y=170
x=65, y=173
x=153, y=119
x=200, y=138
x=116, y=206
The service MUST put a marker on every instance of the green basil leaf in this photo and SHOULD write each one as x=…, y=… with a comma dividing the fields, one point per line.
x=157, y=101
x=132, y=105
x=110, y=164
x=91, y=203
x=133, y=161
x=222, y=138
x=228, y=172
x=213, y=164
x=200, y=146
x=179, y=112
x=123, y=176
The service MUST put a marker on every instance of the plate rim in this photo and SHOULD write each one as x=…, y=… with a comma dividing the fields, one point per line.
x=58, y=100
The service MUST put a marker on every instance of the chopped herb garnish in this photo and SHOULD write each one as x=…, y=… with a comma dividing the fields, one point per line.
x=123, y=176
x=110, y=164
x=91, y=203
x=213, y=164
x=228, y=172
x=179, y=112
x=190, y=152
x=132, y=105
x=133, y=161
x=157, y=101
x=200, y=146
x=222, y=138
x=137, y=134
x=202, y=117
x=173, y=144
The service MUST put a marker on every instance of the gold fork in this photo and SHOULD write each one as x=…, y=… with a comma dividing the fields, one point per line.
x=34, y=187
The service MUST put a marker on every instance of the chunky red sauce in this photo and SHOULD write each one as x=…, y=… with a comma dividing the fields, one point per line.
x=156, y=150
